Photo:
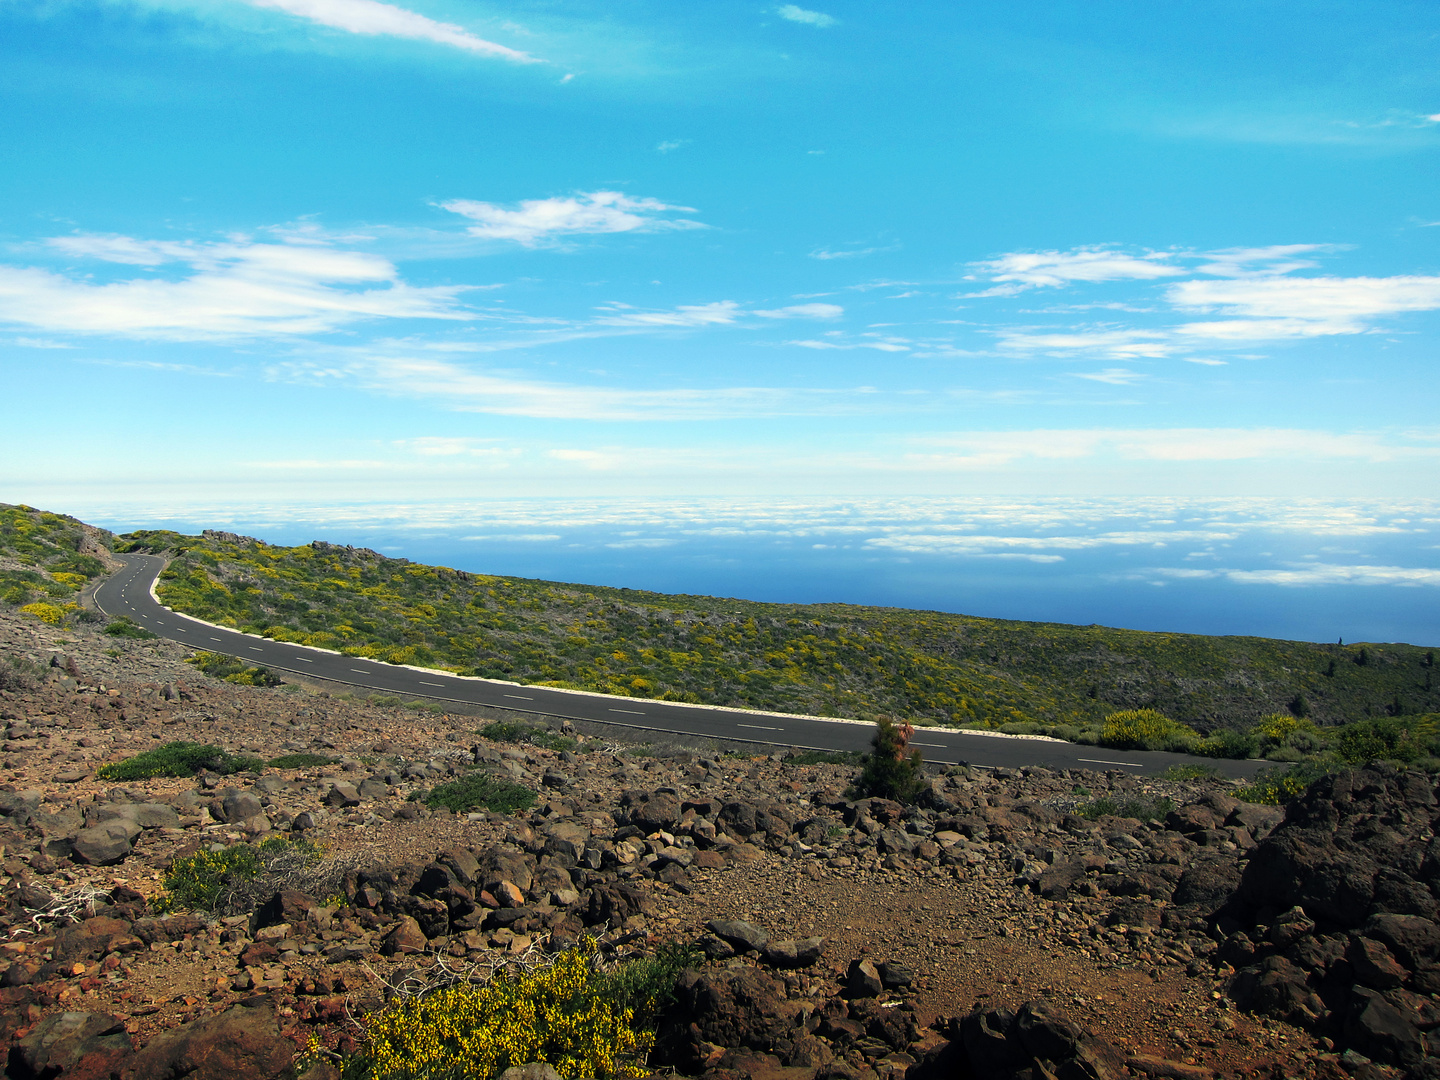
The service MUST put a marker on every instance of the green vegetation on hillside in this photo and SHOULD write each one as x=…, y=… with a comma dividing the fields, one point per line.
x=45, y=559
x=827, y=659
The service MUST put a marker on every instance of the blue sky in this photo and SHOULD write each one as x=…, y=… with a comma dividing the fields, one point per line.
x=323, y=250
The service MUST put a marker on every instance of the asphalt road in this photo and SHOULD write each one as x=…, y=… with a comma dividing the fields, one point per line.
x=127, y=593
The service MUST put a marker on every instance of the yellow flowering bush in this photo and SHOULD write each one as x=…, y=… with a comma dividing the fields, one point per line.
x=1145, y=729
x=48, y=613
x=69, y=580
x=556, y=1015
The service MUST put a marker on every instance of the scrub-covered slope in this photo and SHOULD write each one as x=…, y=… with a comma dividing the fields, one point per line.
x=830, y=659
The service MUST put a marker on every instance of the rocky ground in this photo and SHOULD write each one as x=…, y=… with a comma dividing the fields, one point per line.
x=991, y=930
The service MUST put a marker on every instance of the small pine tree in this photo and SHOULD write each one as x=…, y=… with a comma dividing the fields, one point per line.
x=891, y=770
x=1299, y=706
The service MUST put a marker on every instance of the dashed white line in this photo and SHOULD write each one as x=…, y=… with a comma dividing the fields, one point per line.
x=1099, y=761
x=631, y=712
x=254, y=648
x=359, y=671
x=214, y=639
x=753, y=727
x=520, y=697
x=424, y=683
x=305, y=658
x=937, y=745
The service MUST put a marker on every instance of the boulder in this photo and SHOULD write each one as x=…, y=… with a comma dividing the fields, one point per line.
x=73, y=1045
x=651, y=812
x=238, y=806
x=739, y=934
x=141, y=815
x=103, y=845
x=792, y=953
x=863, y=980
x=406, y=937
x=341, y=795
x=243, y=1041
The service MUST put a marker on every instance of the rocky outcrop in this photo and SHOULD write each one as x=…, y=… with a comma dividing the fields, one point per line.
x=1333, y=925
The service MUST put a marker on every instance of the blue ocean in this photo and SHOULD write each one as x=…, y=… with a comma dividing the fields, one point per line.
x=1357, y=570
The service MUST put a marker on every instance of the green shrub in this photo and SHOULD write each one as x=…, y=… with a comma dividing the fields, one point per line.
x=178, y=759
x=1146, y=729
x=888, y=771
x=1388, y=738
x=384, y=701
x=566, y=1015
x=20, y=673
x=1146, y=809
x=1228, y=743
x=203, y=880
x=123, y=627
x=482, y=790
x=514, y=731
x=220, y=666
x=1279, y=787
x=300, y=761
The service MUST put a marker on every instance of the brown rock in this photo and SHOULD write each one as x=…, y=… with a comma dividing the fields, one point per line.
x=406, y=937
x=75, y=1045
x=240, y=1042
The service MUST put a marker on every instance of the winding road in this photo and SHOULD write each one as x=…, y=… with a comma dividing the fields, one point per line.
x=128, y=592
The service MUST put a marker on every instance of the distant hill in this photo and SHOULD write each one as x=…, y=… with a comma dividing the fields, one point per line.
x=826, y=659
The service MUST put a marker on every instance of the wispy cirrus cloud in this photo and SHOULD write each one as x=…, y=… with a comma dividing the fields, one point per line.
x=462, y=388
x=989, y=448
x=794, y=13
x=232, y=289
x=533, y=222
x=372, y=18
x=718, y=313
x=1022, y=270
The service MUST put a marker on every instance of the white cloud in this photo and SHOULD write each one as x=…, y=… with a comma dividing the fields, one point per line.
x=1269, y=261
x=1302, y=307
x=1032, y=269
x=804, y=311
x=373, y=18
x=1112, y=376
x=671, y=144
x=1117, y=344
x=719, y=313
x=515, y=538
x=535, y=221
x=801, y=15
x=1318, y=574
x=234, y=289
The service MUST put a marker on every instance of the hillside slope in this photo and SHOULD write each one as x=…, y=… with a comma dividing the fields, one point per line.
x=826, y=659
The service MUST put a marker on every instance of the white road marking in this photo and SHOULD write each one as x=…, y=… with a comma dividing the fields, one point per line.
x=182, y=629
x=520, y=697
x=305, y=658
x=359, y=671
x=938, y=745
x=214, y=639
x=631, y=712
x=254, y=648
x=424, y=683
x=1098, y=761
x=753, y=727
